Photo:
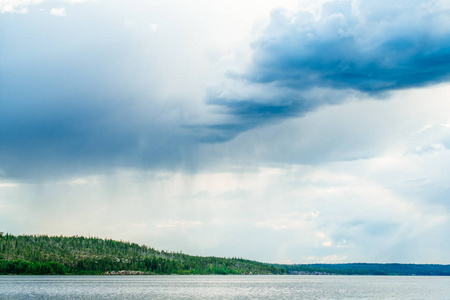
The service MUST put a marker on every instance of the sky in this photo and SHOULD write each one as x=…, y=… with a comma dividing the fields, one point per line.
x=279, y=131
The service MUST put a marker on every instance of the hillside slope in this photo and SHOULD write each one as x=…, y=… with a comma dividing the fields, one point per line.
x=41, y=254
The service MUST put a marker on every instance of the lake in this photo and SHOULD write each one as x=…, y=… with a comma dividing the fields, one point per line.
x=224, y=287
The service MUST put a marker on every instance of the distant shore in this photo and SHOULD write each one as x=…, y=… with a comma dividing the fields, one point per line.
x=78, y=255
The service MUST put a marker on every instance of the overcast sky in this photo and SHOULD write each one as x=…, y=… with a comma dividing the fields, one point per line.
x=279, y=131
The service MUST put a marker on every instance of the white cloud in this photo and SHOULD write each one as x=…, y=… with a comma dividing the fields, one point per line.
x=327, y=244
x=58, y=12
x=154, y=27
x=332, y=211
x=16, y=6
x=178, y=225
x=21, y=6
x=8, y=184
x=82, y=181
x=334, y=258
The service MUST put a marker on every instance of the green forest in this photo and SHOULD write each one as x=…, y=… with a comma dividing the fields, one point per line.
x=78, y=255
x=42, y=254
x=369, y=269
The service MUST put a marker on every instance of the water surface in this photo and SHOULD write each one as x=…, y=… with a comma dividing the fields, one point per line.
x=224, y=287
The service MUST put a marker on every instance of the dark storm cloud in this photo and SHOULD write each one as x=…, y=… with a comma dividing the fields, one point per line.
x=52, y=139
x=248, y=114
x=342, y=57
x=349, y=46
x=73, y=99
x=85, y=92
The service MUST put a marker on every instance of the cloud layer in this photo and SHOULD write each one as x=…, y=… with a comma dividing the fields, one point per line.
x=21, y=6
x=326, y=54
x=89, y=94
x=355, y=45
x=111, y=91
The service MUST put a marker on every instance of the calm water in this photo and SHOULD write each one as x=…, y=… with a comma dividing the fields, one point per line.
x=223, y=287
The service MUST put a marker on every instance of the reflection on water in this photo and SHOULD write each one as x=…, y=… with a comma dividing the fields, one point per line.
x=224, y=287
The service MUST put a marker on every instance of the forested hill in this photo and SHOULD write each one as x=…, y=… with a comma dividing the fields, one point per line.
x=41, y=254
x=368, y=269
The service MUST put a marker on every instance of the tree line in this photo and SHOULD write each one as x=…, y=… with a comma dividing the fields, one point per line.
x=370, y=269
x=42, y=254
